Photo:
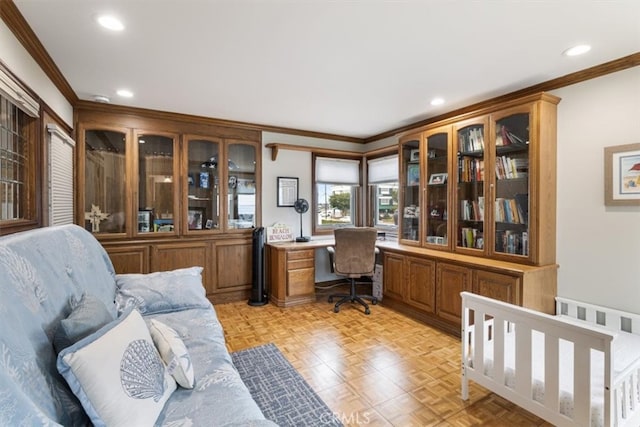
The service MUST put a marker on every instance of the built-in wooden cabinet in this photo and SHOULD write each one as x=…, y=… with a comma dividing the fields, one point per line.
x=393, y=276
x=421, y=283
x=483, y=184
x=476, y=212
x=451, y=280
x=291, y=273
x=162, y=192
x=426, y=283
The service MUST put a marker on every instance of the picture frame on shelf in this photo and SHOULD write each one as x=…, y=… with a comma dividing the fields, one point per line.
x=414, y=155
x=287, y=191
x=622, y=175
x=194, y=218
x=413, y=174
x=438, y=178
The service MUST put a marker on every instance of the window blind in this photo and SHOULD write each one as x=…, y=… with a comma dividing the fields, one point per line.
x=337, y=171
x=60, y=166
x=12, y=91
x=383, y=169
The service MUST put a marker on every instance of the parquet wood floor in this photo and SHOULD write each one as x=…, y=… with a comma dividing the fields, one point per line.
x=379, y=370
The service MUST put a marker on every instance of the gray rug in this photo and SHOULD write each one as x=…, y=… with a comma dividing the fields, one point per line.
x=280, y=391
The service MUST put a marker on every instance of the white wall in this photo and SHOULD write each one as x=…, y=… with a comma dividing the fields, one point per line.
x=598, y=246
x=18, y=60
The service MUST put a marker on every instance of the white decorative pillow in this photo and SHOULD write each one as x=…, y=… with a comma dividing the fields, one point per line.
x=118, y=374
x=173, y=352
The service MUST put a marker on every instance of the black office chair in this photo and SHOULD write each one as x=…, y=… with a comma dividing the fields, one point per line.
x=354, y=256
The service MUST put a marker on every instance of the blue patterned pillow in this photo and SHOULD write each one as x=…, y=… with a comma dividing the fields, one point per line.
x=117, y=374
x=162, y=291
x=87, y=316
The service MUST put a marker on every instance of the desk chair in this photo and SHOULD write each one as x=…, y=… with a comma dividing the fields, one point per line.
x=353, y=256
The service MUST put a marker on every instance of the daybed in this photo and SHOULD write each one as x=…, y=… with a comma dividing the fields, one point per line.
x=578, y=368
x=57, y=288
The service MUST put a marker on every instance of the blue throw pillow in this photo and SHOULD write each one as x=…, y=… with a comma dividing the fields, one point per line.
x=87, y=316
x=162, y=291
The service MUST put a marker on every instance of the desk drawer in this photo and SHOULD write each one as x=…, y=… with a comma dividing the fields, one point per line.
x=304, y=254
x=301, y=282
x=300, y=263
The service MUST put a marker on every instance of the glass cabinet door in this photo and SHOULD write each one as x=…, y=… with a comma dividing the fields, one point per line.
x=470, y=186
x=411, y=185
x=511, y=183
x=203, y=184
x=156, y=183
x=241, y=191
x=104, y=181
x=437, y=204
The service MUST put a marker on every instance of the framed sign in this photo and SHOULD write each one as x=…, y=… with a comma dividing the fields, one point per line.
x=622, y=175
x=287, y=191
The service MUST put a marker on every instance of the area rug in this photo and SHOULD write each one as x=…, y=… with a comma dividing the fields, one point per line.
x=280, y=391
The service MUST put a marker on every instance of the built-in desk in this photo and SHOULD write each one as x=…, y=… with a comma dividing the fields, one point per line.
x=291, y=271
x=422, y=283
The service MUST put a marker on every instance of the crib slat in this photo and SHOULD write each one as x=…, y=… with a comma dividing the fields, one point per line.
x=478, y=342
x=581, y=384
x=523, y=359
x=466, y=336
x=498, y=350
x=551, y=372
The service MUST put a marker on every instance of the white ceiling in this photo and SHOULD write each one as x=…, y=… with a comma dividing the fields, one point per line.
x=353, y=68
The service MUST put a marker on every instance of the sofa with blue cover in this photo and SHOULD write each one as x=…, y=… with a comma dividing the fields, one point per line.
x=81, y=345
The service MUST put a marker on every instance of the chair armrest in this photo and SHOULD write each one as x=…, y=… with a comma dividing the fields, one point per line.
x=332, y=254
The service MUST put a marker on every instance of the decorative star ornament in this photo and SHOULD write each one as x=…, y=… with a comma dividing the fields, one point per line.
x=95, y=217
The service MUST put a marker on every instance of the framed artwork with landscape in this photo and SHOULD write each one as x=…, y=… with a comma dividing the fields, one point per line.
x=622, y=175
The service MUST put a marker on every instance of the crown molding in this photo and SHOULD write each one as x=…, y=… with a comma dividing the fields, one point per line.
x=12, y=17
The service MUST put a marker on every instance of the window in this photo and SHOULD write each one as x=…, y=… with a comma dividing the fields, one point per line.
x=383, y=192
x=336, y=183
x=18, y=117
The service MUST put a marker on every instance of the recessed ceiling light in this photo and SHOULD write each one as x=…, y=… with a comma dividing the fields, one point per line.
x=437, y=101
x=110, y=22
x=577, y=50
x=125, y=93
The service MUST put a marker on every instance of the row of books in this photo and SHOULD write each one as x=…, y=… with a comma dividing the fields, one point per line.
x=511, y=167
x=514, y=211
x=504, y=136
x=471, y=238
x=512, y=242
x=471, y=139
x=472, y=210
x=470, y=169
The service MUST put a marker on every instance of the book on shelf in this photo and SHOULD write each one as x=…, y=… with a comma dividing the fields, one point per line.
x=471, y=238
x=522, y=205
x=471, y=139
x=504, y=136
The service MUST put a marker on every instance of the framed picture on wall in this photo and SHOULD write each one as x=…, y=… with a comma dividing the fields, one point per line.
x=622, y=175
x=287, y=191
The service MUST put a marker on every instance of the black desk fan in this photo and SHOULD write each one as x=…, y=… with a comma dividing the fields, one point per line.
x=301, y=206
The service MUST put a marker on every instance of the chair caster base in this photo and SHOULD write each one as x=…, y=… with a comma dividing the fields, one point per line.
x=367, y=311
x=374, y=301
x=336, y=309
